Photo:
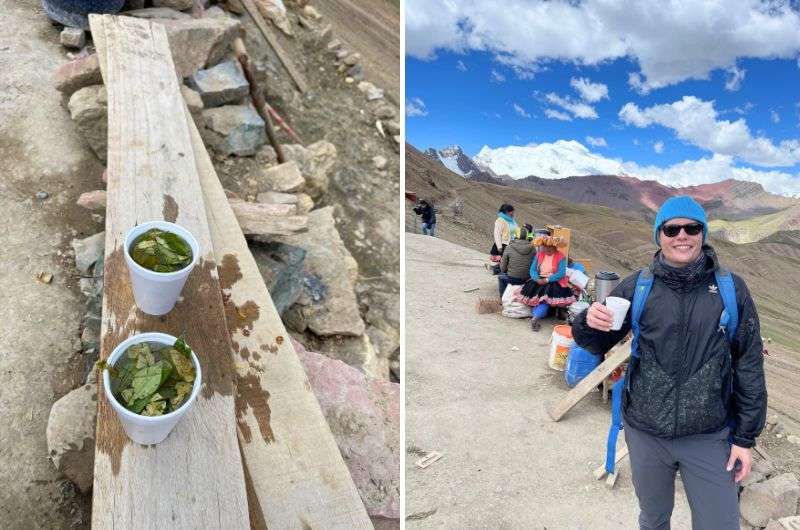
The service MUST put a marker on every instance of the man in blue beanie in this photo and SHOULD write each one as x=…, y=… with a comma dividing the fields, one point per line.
x=694, y=398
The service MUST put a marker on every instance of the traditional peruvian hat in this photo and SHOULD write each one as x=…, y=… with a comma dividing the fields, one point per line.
x=549, y=241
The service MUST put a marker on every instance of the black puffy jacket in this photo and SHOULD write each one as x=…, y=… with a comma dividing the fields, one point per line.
x=688, y=379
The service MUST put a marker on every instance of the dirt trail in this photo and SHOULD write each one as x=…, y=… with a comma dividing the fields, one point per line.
x=370, y=27
x=480, y=402
x=39, y=337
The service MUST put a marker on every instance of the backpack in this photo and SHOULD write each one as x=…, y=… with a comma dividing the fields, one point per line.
x=728, y=322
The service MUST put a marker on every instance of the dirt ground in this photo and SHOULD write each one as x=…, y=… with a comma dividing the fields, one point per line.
x=477, y=388
x=370, y=27
x=39, y=338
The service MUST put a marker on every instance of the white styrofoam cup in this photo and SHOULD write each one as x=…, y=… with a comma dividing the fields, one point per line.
x=157, y=292
x=147, y=430
x=620, y=308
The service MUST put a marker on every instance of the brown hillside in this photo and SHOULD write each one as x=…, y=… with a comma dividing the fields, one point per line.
x=611, y=241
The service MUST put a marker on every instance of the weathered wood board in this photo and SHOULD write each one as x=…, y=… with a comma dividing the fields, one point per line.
x=619, y=356
x=294, y=466
x=195, y=478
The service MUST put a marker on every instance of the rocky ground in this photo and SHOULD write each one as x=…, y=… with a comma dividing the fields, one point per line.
x=334, y=278
x=477, y=389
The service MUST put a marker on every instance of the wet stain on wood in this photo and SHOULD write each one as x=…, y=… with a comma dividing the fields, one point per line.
x=249, y=394
x=170, y=209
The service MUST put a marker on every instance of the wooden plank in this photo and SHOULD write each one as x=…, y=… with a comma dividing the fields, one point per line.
x=620, y=355
x=600, y=472
x=296, y=76
x=194, y=479
x=294, y=465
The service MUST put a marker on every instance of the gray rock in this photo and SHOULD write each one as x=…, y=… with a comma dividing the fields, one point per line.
x=356, y=72
x=180, y=5
x=752, y=478
x=42, y=195
x=379, y=161
x=334, y=45
x=374, y=93
x=303, y=202
x=221, y=84
x=785, y=523
x=199, y=42
x=333, y=311
x=89, y=110
x=164, y=13
x=765, y=467
x=284, y=177
x=364, y=417
x=392, y=127
x=771, y=499
x=233, y=130
x=73, y=37
x=88, y=251
x=316, y=162
x=281, y=266
x=215, y=11
x=70, y=435
x=352, y=59
x=385, y=112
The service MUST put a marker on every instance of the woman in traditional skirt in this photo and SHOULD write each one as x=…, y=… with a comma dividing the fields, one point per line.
x=504, y=229
x=549, y=285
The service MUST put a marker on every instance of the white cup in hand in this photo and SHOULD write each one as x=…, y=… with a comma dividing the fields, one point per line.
x=619, y=308
x=599, y=317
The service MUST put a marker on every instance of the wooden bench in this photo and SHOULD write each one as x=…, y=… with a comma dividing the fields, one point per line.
x=256, y=406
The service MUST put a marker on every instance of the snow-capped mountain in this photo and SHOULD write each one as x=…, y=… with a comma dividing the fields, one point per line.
x=560, y=159
x=454, y=159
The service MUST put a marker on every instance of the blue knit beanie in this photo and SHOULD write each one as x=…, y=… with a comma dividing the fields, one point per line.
x=680, y=206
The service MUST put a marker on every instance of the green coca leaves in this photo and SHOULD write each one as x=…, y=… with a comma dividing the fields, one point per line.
x=161, y=251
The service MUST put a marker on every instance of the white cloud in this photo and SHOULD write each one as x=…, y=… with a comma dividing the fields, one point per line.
x=774, y=116
x=658, y=147
x=577, y=108
x=715, y=169
x=687, y=41
x=596, y=142
x=460, y=66
x=497, y=77
x=735, y=78
x=635, y=141
x=415, y=107
x=591, y=92
x=558, y=115
x=696, y=121
x=521, y=111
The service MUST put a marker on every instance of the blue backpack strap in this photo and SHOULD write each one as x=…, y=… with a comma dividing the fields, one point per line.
x=729, y=320
x=644, y=283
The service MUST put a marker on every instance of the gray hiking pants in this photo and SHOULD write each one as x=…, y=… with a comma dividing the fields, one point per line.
x=701, y=458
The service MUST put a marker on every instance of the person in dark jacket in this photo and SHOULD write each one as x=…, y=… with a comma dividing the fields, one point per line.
x=428, y=213
x=516, y=262
x=691, y=400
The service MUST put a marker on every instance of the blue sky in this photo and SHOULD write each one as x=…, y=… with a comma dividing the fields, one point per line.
x=700, y=95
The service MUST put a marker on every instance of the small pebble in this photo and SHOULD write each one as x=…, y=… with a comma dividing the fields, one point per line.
x=42, y=195
x=349, y=80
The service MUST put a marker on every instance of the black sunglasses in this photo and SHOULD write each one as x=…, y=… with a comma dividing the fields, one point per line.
x=690, y=229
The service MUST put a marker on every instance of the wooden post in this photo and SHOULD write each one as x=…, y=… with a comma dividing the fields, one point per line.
x=261, y=24
x=195, y=478
x=258, y=98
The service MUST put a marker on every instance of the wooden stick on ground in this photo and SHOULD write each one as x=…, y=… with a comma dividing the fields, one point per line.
x=295, y=468
x=258, y=98
x=587, y=384
x=296, y=76
x=194, y=478
x=601, y=472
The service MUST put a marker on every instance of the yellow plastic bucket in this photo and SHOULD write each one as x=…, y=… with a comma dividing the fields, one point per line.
x=560, y=344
